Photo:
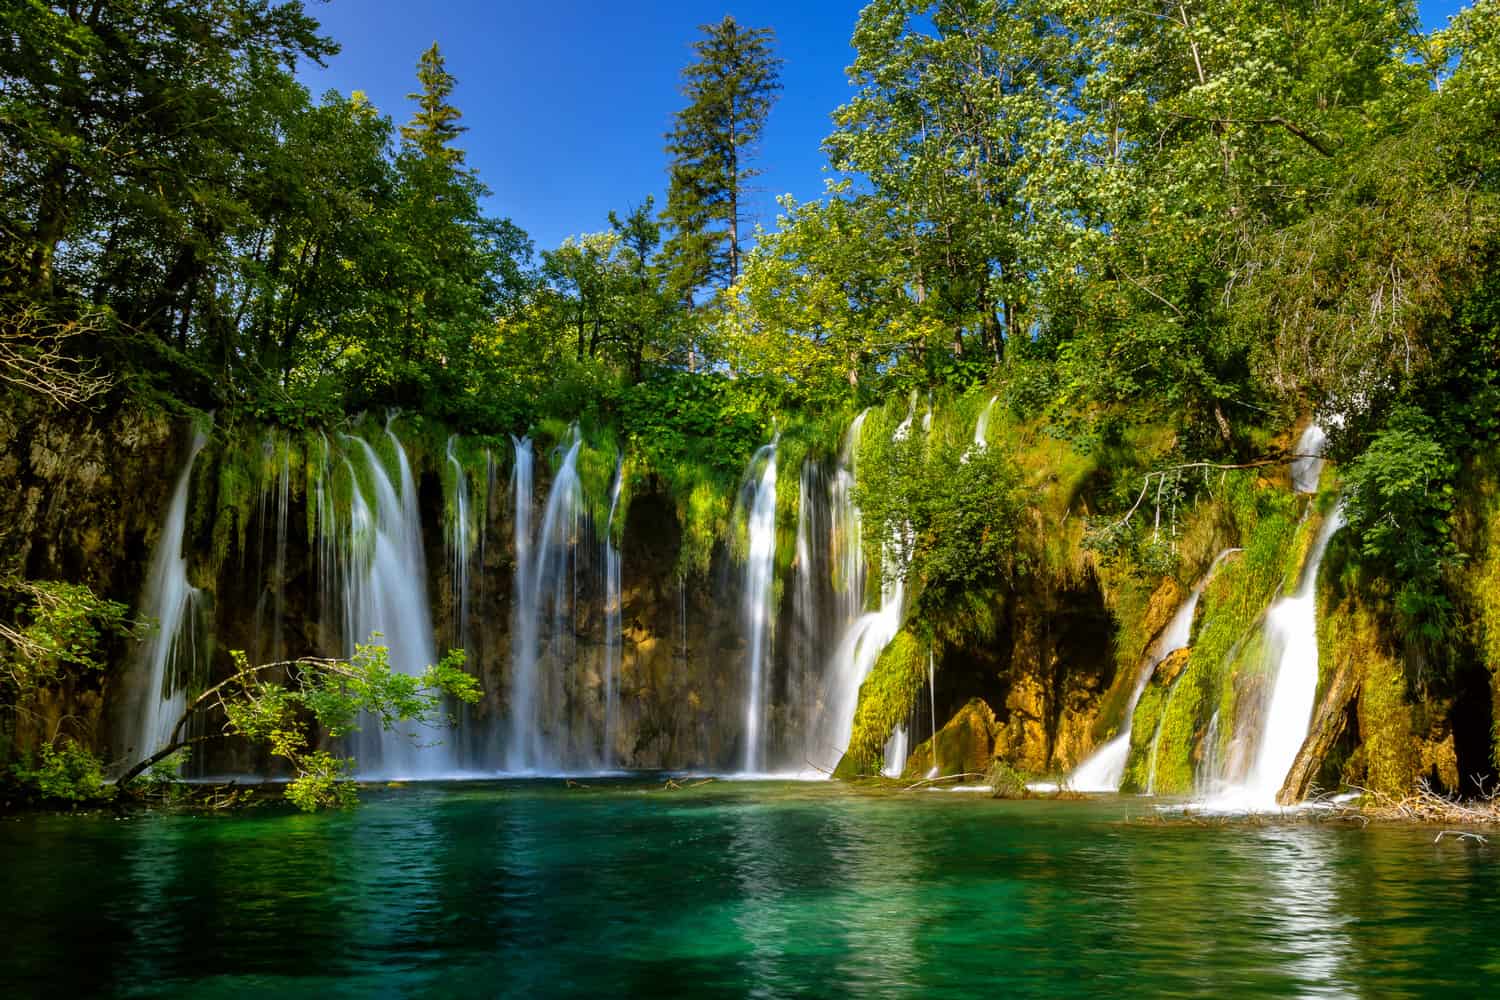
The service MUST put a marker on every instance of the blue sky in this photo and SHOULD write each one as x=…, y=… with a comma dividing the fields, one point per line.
x=567, y=101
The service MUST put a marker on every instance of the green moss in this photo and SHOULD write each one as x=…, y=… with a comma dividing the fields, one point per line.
x=886, y=698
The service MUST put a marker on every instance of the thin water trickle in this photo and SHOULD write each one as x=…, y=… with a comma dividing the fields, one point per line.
x=1291, y=646
x=613, y=639
x=457, y=537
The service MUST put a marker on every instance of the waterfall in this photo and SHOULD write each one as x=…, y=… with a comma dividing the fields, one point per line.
x=1105, y=767
x=903, y=429
x=386, y=592
x=547, y=589
x=1290, y=657
x=982, y=426
x=1307, y=469
x=169, y=655
x=1291, y=650
x=327, y=549
x=895, y=753
x=932, y=703
x=846, y=529
x=612, y=635
x=759, y=499
x=523, y=633
x=866, y=636
x=457, y=538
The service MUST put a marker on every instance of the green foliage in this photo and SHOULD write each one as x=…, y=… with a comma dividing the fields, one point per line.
x=287, y=706
x=1399, y=504
x=945, y=517
x=63, y=771
x=322, y=782
x=1005, y=781
x=54, y=626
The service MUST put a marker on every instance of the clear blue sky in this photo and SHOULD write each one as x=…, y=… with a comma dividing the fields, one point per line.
x=567, y=101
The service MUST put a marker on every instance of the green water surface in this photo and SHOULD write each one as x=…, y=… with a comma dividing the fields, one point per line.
x=530, y=889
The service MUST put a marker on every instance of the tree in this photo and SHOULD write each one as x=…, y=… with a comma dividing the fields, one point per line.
x=955, y=127
x=444, y=271
x=284, y=705
x=730, y=89
x=434, y=127
x=649, y=318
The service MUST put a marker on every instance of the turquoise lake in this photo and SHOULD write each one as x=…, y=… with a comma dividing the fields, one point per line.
x=756, y=889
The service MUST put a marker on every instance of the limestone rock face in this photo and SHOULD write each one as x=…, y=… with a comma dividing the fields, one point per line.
x=83, y=499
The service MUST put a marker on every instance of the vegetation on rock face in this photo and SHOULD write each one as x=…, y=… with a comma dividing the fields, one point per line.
x=1155, y=239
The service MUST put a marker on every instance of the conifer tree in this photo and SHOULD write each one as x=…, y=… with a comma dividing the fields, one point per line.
x=730, y=88
x=434, y=127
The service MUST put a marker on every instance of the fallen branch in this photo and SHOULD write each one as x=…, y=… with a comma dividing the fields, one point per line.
x=944, y=777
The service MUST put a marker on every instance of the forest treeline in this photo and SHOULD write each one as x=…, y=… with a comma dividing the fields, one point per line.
x=1227, y=211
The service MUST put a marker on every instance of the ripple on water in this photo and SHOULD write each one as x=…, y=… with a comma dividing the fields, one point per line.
x=745, y=888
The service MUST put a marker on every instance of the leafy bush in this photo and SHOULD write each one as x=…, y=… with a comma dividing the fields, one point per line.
x=64, y=771
x=1399, y=504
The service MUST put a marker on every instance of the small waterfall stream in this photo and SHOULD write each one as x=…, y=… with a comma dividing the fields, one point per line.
x=269, y=621
x=1291, y=654
x=865, y=637
x=759, y=498
x=169, y=654
x=523, y=634
x=1105, y=767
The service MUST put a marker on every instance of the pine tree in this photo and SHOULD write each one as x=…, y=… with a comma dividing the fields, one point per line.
x=730, y=89
x=435, y=126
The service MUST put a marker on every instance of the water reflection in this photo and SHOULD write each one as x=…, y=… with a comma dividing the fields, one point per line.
x=749, y=889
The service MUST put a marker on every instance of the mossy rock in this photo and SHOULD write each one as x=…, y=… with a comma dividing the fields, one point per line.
x=885, y=701
x=965, y=744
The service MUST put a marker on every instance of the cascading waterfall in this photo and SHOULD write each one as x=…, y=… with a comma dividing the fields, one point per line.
x=1307, y=468
x=386, y=592
x=1105, y=767
x=1291, y=653
x=864, y=638
x=895, y=753
x=759, y=498
x=547, y=590
x=169, y=655
x=613, y=643
x=846, y=530
x=1291, y=645
x=830, y=574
